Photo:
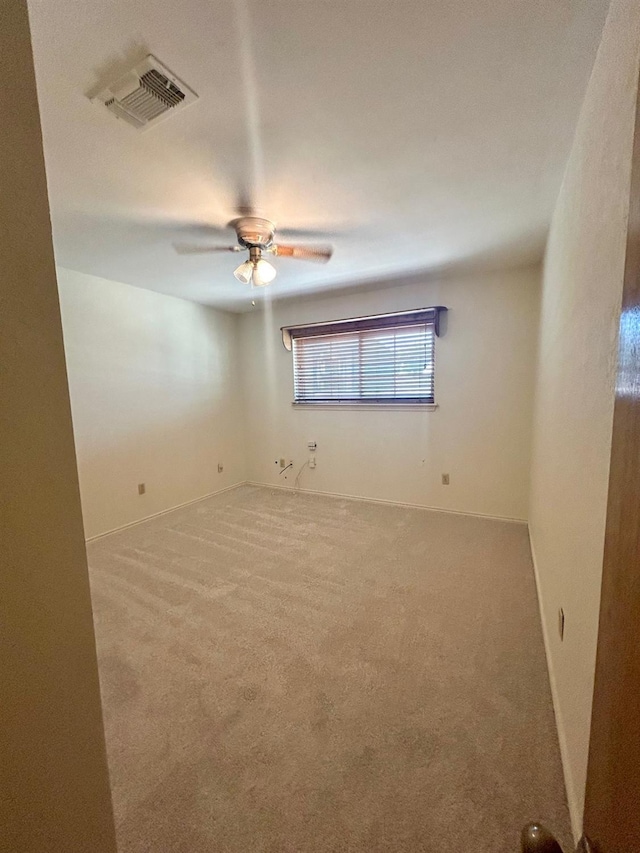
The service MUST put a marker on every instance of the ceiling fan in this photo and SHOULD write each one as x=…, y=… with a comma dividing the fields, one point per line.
x=256, y=235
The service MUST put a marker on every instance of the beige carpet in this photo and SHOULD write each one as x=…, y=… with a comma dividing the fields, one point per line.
x=287, y=672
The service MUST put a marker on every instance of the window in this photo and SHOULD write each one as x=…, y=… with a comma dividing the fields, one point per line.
x=385, y=359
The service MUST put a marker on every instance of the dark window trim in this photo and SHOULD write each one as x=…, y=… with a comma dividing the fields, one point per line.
x=360, y=324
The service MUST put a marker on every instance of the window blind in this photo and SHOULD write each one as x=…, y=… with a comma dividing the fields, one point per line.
x=373, y=362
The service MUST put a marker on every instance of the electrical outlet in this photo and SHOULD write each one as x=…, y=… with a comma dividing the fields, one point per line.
x=141, y=488
x=445, y=479
x=561, y=623
x=220, y=467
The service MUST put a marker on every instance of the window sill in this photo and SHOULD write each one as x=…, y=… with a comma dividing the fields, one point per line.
x=397, y=407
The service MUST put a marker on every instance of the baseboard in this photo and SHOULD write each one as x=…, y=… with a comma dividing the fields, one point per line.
x=391, y=503
x=574, y=802
x=164, y=512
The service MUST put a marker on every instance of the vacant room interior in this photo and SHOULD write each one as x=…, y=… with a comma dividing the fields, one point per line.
x=336, y=298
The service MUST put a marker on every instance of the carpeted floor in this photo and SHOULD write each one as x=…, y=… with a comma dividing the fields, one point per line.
x=288, y=672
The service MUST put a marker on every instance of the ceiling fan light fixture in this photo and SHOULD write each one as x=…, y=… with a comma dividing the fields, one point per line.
x=263, y=273
x=244, y=272
x=256, y=235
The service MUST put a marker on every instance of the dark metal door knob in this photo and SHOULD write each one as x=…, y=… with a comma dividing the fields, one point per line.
x=536, y=838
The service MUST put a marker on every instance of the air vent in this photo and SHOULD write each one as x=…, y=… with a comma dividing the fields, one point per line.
x=146, y=95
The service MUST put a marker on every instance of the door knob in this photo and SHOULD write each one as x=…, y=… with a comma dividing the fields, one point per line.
x=536, y=838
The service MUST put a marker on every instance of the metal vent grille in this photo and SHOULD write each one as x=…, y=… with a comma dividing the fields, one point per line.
x=120, y=112
x=155, y=95
x=146, y=93
x=163, y=88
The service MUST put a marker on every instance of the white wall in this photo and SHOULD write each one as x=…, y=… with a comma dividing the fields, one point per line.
x=155, y=397
x=575, y=389
x=480, y=434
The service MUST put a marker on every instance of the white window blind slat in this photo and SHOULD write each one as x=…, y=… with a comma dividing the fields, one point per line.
x=394, y=364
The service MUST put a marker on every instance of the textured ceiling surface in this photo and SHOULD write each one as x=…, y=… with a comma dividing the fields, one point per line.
x=416, y=135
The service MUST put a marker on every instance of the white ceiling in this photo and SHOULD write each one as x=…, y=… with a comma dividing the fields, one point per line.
x=418, y=134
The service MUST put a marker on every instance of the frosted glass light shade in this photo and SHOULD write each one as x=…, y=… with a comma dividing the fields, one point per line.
x=244, y=272
x=263, y=273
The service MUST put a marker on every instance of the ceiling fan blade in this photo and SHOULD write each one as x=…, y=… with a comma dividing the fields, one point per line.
x=183, y=249
x=191, y=230
x=294, y=233
x=320, y=254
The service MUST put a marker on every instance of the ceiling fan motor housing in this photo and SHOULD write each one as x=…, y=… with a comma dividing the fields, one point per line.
x=253, y=231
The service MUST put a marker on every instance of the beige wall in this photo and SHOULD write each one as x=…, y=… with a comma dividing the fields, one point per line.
x=480, y=434
x=54, y=793
x=575, y=389
x=155, y=396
